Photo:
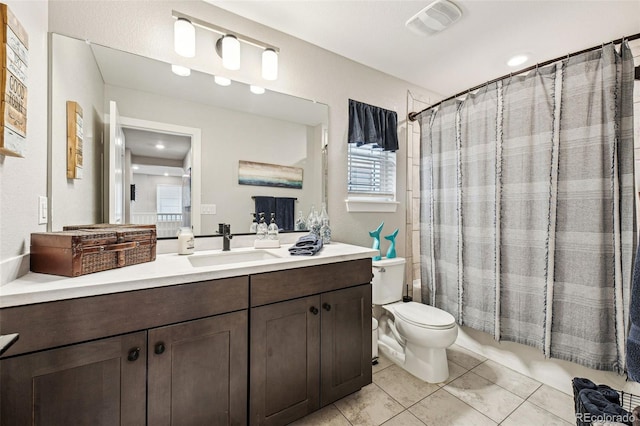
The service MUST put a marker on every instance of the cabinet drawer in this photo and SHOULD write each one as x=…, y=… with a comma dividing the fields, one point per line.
x=277, y=286
x=48, y=325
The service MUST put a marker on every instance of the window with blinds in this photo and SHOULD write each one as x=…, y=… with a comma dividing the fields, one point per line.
x=169, y=198
x=371, y=171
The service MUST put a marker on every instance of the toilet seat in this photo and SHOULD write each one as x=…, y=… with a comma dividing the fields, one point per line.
x=424, y=316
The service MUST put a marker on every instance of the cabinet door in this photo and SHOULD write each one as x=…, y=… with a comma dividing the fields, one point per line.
x=285, y=356
x=346, y=342
x=96, y=383
x=198, y=372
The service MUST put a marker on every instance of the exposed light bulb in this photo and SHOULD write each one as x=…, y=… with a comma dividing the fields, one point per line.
x=517, y=60
x=269, y=64
x=180, y=70
x=256, y=89
x=230, y=52
x=222, y=81
x=184, y=38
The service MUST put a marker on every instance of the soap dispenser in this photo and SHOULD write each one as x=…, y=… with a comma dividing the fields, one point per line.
x=262, y=228
x=313, y=221
x=301, y=224
x=254, y=224
x=325, y=229
x=272, y=229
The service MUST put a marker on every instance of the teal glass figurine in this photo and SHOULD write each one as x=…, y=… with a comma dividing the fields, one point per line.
x=376, y=240
x=391, y=253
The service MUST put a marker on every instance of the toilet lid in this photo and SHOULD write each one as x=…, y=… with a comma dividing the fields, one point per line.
x=424, y=315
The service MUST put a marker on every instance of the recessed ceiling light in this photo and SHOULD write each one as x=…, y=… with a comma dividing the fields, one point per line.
x=222, y=81
x=159, y=146
x=517, y=60
x=256, y=89
x=180, y=70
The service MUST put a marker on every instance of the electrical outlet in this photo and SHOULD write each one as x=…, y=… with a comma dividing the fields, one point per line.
x=43, y=210
x=208, y=209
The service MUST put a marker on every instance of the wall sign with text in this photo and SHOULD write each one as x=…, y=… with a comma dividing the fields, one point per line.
x=14, y=49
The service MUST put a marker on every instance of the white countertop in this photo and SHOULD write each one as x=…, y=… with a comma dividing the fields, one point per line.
x=167, y=269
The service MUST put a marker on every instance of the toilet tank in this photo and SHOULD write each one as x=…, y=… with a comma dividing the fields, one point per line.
x=388, y=280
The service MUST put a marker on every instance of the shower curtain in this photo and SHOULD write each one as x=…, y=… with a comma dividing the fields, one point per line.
x=527, y=207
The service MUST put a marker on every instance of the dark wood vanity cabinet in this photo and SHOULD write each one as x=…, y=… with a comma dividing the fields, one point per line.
x=191, y=372
x=291, y=341
x=198, y=372
x=311, y=351
x=97, y=383
x=345, y=348
x=285, y=361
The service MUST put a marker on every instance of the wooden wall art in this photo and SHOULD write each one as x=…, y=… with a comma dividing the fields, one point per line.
x=74, y=140
x=14, y=49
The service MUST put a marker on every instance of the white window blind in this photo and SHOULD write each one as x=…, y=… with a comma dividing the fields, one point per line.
x=169, y=198
x=371, y=171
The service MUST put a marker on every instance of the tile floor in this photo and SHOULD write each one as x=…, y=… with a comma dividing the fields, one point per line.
x=478, y=392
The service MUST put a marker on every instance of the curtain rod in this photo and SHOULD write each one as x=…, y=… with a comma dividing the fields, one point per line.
x=413, y=116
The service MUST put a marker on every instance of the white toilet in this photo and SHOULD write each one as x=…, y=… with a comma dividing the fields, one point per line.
x=413, y=335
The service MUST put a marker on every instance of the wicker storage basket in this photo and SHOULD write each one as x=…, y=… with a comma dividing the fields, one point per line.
x=83, y=251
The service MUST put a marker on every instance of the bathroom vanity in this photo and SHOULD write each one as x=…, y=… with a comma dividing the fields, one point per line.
x=249, y=339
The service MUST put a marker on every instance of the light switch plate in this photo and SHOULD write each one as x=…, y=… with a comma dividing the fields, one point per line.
x=43, y=210
x=208, y=209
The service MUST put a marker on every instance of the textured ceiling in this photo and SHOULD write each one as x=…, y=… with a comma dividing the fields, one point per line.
x=470, y=52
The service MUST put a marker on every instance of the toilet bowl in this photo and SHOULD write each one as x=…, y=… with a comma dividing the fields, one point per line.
x=413, y=335
x=426, y=333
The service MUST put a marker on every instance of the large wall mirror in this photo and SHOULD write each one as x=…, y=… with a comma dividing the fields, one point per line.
x=166, y=149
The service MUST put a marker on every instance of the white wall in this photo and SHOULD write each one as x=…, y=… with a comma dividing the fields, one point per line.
x=22, y=180
x=227, y=137
x=305, y=70
x=77, y=78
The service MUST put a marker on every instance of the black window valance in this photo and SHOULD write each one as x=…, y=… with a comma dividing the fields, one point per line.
x=369, y=124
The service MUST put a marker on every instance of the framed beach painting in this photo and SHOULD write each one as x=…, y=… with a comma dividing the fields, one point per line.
x=263, y=174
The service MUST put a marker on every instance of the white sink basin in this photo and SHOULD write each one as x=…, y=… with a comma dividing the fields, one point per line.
x=231, y=257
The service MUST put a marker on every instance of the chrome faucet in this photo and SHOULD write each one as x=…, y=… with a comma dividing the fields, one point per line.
x=226, y=236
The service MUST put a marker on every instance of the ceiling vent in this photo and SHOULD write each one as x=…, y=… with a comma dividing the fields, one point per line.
x=434, y=18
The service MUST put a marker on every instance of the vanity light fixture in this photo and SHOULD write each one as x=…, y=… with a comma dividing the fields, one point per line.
x=222, y=81
x=257, y=90
x=269, y=64
x=180, y=70
x=228, y=46
x=184, y=38
x=230, y=52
